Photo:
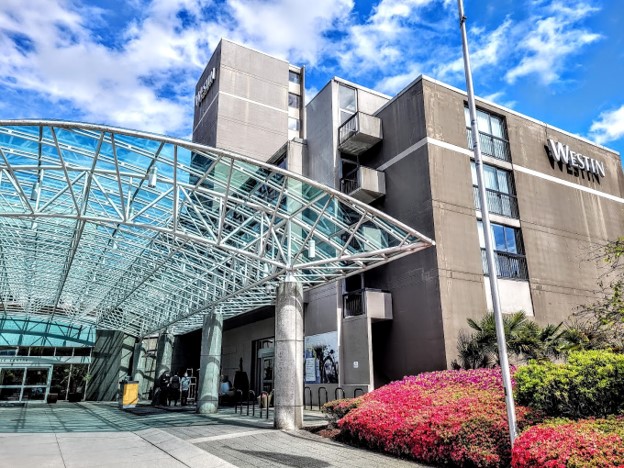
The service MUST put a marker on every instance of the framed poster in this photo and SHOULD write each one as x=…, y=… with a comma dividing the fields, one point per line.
x=321, y=358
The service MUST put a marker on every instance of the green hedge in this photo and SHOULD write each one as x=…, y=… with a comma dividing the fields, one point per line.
x=591, y=383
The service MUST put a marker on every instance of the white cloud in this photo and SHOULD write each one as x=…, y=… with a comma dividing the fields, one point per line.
x=486, y=49
x=294, y=29
x=556, y=36
x=145, y=79
x=388, y=38
x=394, y=83
x=608, y=127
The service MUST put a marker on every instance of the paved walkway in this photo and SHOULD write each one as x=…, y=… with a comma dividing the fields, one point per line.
x=76, y=435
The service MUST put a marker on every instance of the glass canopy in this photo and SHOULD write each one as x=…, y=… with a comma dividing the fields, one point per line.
x=137, y=232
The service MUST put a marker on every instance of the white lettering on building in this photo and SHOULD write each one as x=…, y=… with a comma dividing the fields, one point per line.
x=562, y=153
x=201, y=94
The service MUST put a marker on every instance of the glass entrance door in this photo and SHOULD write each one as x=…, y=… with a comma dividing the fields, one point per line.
x=25, y=383
x=267, y=359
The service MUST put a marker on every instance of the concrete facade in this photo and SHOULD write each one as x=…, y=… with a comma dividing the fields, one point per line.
x=111, y=361
x=550, y=214
x=242, y=102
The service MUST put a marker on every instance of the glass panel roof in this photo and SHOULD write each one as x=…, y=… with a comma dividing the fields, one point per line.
x=138, y=232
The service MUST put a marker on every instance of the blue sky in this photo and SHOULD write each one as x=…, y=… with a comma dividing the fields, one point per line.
x=134, y=63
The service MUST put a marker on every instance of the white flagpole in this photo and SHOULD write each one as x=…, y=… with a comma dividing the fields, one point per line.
x=485, y=216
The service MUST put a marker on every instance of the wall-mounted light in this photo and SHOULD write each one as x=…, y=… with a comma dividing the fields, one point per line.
x=312, y=248
x=152, y=177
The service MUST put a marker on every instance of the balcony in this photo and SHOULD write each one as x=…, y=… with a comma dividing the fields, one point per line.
x=364, y=184
x=359, y=133
x=373, y=303
x=498, y=203
x=491, y=146
x=508, y=265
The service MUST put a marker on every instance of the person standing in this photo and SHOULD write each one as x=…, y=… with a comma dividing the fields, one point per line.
x=163, y=384
x=174, y=390
x=185, y=385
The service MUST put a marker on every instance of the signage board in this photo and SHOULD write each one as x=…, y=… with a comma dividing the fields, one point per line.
x=205, y=87
x=563, y=154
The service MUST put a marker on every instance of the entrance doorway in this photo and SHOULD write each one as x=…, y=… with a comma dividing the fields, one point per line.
x=25, y=383
x=264, y=363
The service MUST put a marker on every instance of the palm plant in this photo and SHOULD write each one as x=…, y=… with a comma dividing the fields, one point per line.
x=525, y=340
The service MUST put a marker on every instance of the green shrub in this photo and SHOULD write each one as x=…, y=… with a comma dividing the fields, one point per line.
x=337, y=409
x=591, y=383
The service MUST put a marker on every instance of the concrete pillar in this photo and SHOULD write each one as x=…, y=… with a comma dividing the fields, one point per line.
x=210, y=364
x=288, y=370
x=138, y=362
x=164, y=354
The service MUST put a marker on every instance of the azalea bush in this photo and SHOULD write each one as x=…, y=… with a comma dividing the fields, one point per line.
x=591, y=383
x=450, y=417
x=566, y=444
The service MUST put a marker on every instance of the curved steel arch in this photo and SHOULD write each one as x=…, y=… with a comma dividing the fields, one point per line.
x=134, y=231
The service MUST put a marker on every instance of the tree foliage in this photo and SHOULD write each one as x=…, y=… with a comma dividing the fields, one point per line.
x=600, y=324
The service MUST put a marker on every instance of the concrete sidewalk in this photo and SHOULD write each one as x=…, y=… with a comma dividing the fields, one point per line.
x=77, y=435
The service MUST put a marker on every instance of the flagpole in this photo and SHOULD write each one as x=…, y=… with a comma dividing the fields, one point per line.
x=485, y=216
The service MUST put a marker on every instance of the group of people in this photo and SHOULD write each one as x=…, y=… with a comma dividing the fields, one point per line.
x=171, y=388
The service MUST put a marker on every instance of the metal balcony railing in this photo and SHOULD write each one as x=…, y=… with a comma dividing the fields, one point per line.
x=359, y=133
x=350, y=181
x=499, y=203
x=348, y=128
x=353, y=303
x=508, y=265
x=491, y=145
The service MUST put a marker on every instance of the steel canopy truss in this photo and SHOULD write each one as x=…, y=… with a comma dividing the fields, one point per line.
x=138, y=232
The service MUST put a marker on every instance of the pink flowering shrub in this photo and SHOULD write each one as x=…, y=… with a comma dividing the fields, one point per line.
x=565, y=444
x=449, y=417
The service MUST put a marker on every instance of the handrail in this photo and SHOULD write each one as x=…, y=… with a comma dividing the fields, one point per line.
x=304, y=395
x=491, y=145
x=348, y=127
x=251, y=396
x=501, y=203
x=508, y=265
x=319, y=396
x=238, y=400
x=264, y=396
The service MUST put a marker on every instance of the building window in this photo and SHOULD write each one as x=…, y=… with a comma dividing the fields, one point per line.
x=294, y=77
x=508, y=251
x=294, y=100
x=293, y=124
x=493, y=134
x=347, y=99
x=500, y=191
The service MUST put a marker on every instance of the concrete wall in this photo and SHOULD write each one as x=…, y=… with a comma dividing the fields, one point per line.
x=237, y=344
x=414, y=340
x=322, y=138
x=111, y=362
x=560, y=223
x=205, y=115
x=251, y=109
